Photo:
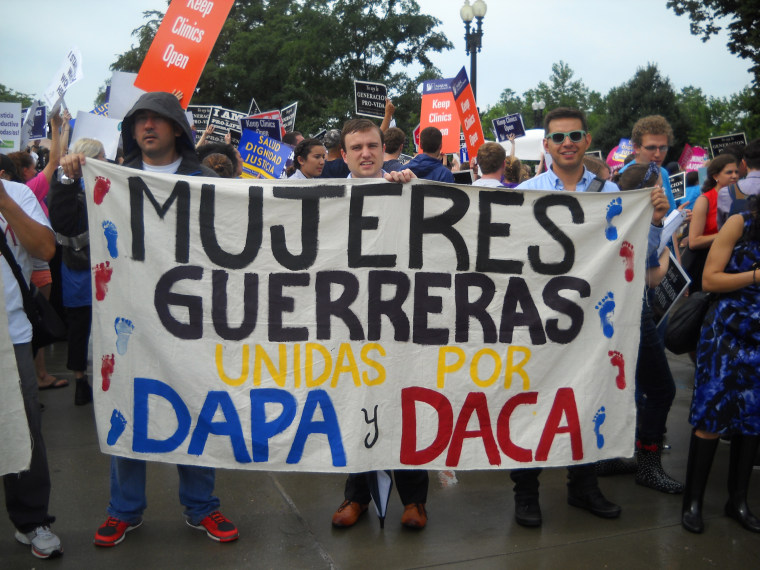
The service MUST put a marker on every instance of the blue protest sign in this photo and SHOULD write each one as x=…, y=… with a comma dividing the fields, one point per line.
x=508, y=125
x=433, y=86
x=268, y=127
x=263, y=157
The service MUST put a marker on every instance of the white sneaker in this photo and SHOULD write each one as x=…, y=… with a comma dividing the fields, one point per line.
x=44, y=543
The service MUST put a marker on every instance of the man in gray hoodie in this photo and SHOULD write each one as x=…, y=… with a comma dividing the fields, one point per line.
x=157, y=138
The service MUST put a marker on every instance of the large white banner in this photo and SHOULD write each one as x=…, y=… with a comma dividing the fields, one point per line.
x=334, y=325
x=16, y=443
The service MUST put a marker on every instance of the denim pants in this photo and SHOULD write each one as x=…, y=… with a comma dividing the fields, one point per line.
x=128, y=502
x=27, y=494
x=655, y=388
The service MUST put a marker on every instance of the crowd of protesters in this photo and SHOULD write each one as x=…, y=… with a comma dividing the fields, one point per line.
x=719, y=246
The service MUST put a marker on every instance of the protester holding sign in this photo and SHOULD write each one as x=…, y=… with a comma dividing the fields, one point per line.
x=308, y=159
x=156, y=137
x=362, y=149
x=26, y=232
x=566, y=141
x=39, y=183
x=655, y=387
x=68, y=216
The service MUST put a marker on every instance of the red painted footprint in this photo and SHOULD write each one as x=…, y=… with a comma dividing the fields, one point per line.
x=102, y=186
x=106, y=369
x=626, y=252
x=616, y=359
x=103, y=273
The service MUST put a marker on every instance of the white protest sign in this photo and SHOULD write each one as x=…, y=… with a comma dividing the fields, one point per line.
x=10, y=127
x=69, y=73
x=528, y=147
x=16, y=443
x=362, y=325
x=123, y=94
x=34, y=110
x=105, y=129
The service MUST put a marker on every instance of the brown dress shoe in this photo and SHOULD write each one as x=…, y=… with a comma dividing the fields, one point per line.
x=348, y=513
x=414, y=515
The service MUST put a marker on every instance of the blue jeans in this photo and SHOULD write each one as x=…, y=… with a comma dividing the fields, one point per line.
x=655, y=388
x=196, y=485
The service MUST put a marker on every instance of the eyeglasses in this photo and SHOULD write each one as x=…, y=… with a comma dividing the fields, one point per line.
x=559, y=138
x=654, y=148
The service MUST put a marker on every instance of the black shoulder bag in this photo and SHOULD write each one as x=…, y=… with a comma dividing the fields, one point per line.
x=47, y=326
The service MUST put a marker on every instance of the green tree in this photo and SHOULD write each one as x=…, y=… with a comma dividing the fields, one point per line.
x=508, y=104
x=280, y=51
x=561, y=90
x=646, y=93
x=8, y=95
x=743, y=30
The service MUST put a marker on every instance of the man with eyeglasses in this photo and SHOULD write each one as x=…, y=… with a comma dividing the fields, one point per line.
x=651, y=138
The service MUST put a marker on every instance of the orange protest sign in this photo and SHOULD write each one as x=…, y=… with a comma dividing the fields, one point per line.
x=179, y=51
x=468, y=112
x=438, y=111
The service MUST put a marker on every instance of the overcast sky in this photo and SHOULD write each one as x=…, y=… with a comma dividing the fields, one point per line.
x=603, y=41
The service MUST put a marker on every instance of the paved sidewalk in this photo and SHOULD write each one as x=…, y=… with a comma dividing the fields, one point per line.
x=284, y=518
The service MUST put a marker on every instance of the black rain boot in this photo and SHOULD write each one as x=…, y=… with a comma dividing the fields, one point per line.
x=83, y=392
x=701, y=454
x=650, y=472
x=743, y=450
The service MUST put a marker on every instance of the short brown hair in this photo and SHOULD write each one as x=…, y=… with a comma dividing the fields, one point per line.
x=358, y=126
x=651, y=125
x=431, y=139
x=491, y=157
x=564, y=113
x=394, y=140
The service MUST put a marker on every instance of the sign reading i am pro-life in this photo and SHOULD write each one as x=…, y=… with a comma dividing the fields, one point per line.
x=184, y=41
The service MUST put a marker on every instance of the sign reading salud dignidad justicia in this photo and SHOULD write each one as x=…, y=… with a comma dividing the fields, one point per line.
x=354, y=325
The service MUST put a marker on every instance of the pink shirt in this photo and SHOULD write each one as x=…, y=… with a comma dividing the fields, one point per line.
x=40, y=187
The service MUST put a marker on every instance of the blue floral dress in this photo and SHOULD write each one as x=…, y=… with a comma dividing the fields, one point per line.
x=727, y=379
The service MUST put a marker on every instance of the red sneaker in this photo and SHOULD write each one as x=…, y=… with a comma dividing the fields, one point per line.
x=112, y=531
x=217, y=527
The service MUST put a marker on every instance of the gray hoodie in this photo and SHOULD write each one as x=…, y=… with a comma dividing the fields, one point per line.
x=166, y=105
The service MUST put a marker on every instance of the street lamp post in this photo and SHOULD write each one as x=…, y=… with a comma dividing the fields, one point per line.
x=538, y=112
x=473, y=38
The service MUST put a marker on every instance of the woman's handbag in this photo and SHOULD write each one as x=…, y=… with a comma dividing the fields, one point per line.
x=685, y=322
x=47, y=326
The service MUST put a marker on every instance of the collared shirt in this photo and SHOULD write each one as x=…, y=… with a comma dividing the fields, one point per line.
x=550, y=181
x=298, y=175
x=488, y=183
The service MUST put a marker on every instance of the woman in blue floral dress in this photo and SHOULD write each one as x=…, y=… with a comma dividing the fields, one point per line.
x=727, y=382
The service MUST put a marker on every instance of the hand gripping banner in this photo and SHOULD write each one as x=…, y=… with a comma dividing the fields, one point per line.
x=361, y=325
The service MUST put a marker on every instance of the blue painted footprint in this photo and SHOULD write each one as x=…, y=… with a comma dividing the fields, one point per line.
x=614, y=208
x=599, y=418
x=606, y=308
x=111, y=233
x=124, y=329
x=118, y=424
